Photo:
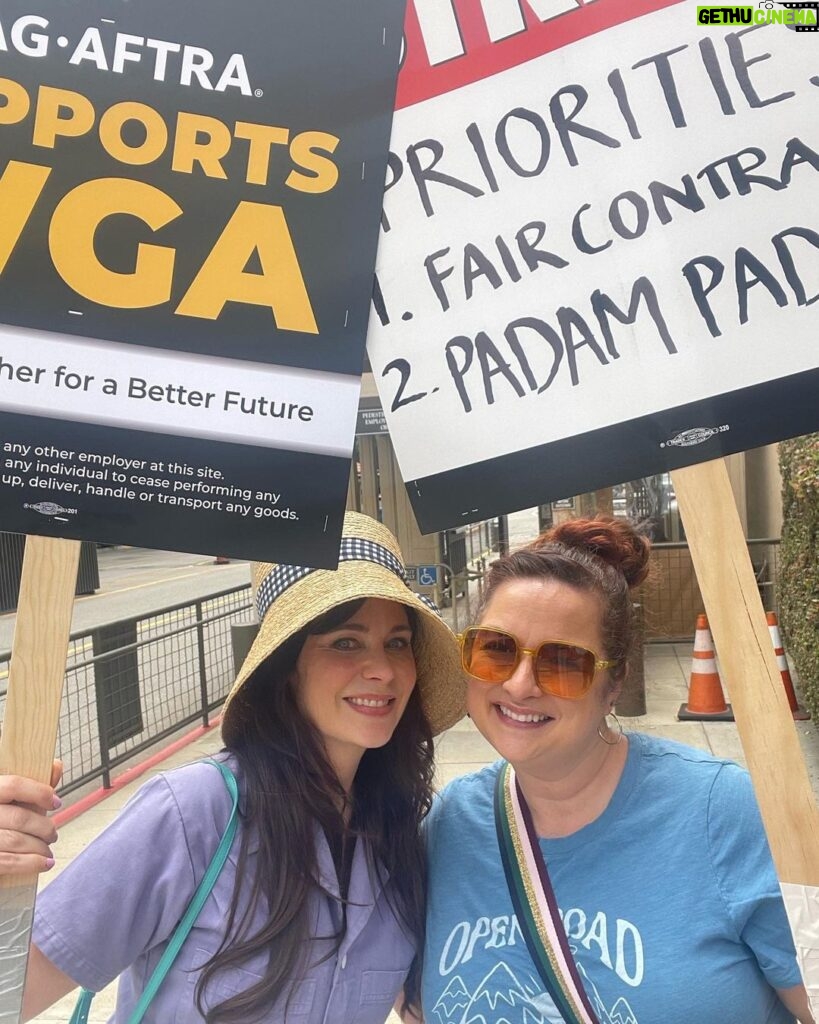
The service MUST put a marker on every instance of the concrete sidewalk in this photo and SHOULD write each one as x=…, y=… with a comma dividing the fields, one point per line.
x=459, y=750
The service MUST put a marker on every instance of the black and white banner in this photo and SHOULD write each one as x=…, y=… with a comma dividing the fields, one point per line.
x=599, y=255
x=189, y=198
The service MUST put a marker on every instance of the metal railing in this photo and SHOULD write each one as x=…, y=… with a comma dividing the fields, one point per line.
x=672, y=599
x=131, y=683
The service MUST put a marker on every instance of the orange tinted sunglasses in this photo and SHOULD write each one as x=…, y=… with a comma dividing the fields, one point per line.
x=562, y=669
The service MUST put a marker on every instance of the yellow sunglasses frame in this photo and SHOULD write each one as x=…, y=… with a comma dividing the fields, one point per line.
x=599, y=663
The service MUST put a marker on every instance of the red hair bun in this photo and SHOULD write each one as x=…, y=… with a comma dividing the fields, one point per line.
x=613, y=540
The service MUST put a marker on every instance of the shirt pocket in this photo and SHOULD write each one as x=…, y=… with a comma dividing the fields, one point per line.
x=227, y=984
x=379, y=990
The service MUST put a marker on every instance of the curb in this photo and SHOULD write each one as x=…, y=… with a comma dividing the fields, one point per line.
x=130, y=774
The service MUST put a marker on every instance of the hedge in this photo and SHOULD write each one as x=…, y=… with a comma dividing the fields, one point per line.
x=799, y=561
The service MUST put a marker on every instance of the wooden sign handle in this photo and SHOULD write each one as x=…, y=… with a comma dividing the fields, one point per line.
x=37, y=669
x=737, y=620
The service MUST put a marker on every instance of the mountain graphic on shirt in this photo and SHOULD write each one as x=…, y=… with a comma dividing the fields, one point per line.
x=593, y=996
x=452, y=1001
x=622, y=1013
x=502, y=999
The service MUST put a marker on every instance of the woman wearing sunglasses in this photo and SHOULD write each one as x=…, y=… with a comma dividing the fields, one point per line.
x=593, y=876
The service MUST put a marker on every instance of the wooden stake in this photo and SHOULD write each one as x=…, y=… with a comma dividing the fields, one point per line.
x=747, y=659
x=29, y=734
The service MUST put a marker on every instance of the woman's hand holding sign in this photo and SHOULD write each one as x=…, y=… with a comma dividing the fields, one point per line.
x=26, y=833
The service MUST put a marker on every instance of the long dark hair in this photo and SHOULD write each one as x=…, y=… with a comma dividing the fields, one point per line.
x=289, y=785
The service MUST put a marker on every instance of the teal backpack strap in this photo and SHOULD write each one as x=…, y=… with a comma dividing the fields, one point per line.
x=82, y=1007
x=196, y=904
x=80, y=1015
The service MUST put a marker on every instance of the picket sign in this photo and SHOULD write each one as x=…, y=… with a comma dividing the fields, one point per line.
x=29, y=731
x=764, y=722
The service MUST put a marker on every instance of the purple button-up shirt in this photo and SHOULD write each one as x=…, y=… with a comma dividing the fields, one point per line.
x=113, y=909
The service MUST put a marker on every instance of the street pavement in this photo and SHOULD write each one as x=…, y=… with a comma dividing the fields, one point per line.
x=136, y=581
x=460, y=750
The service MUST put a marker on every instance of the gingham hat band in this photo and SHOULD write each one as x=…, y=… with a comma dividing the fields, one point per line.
x=353, y=549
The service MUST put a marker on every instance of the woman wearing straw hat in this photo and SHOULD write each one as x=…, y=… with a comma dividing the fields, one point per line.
x=317, y=913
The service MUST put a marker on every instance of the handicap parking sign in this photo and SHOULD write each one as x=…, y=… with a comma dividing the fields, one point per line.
x=427, y=575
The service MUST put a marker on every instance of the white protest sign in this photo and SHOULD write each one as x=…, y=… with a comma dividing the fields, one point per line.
x=599, y=253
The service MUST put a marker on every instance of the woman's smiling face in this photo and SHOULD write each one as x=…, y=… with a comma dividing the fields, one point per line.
x=525, y=725
x=353, y=682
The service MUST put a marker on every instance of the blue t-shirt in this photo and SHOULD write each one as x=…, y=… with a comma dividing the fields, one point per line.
x=669, y=899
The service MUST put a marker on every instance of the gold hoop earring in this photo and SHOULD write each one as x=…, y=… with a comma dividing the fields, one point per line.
x=600, y=733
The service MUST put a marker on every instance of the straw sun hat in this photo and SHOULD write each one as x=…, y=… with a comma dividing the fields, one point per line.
x=370, y=565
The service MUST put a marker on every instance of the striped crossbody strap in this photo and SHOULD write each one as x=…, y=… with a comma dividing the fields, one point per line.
x=534, y=901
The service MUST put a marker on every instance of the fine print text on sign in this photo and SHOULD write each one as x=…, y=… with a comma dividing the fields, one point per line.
x=189, y=200
x=371, y=419
x=600, y=252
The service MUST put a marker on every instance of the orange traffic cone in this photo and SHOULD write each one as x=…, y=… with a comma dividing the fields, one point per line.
x=773, y=628
x=706, y=701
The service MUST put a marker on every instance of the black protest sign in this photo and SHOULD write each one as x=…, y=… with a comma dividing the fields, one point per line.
x=189, y=198
x=599, y=255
